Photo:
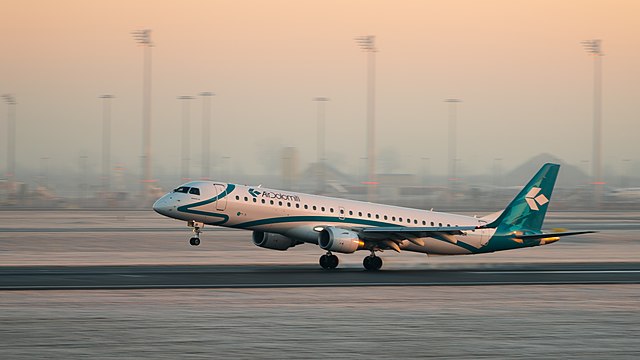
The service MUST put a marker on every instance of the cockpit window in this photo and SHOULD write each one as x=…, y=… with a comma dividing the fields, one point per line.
x=182, y=189
x=194, y=191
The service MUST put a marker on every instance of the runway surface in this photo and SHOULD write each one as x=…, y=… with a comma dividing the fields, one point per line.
x=228, y=299
x=212, y=276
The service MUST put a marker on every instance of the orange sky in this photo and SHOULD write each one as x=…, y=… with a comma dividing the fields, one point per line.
x=517, y=65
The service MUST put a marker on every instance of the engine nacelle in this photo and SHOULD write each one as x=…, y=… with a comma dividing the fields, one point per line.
x=339, y=240
x=273, y=241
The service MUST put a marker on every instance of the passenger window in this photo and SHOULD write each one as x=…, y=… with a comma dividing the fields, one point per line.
x=350, y=212
x=280, y=203
x=237, y=197
x=263, y=201
x=246, y=198
x=424, y=223
x=415, y=221
x=330, y=210
x=400, y=219
x=440, y=224
x=377, y=216
x=306, y=206
x=359, y=213
x=297, y=206
x=255, y=200
x=314, y=207
x=341, y=211
x=385, y=217
x=271, y=202
x=432, y=223
x=393, y=218
x=322, y=208
x=408, y=221
x=194, y=191
x=369, y=215
x=288, y=204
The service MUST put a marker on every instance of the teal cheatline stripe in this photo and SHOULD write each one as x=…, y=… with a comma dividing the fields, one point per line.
x=225, y=218
x=289, y=219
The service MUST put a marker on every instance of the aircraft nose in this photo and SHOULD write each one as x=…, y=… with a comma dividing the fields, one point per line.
x=162, y=206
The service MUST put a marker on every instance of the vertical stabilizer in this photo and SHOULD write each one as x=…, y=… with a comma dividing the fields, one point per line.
x=526, y=211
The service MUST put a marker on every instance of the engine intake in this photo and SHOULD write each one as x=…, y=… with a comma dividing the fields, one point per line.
x=273, y=241
x=339, y=240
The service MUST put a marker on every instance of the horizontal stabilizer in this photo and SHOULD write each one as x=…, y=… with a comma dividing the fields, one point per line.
x=547, y=235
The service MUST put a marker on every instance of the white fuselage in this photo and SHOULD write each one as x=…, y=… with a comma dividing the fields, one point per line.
x=300, y=216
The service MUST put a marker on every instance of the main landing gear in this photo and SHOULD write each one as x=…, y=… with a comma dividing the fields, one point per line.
x=372, y=262
x=197, y=230
x=329, y=261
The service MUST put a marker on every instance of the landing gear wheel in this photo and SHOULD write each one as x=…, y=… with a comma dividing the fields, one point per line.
x=197, y=230
x=372, y=263
x=329, y=261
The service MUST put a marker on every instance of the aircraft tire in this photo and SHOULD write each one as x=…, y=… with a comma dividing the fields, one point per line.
x=329, y=262
x=194, y=241
x=372, y=263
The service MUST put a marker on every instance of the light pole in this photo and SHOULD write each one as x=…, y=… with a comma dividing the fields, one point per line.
x=226, y=167
x=106, y=142
x=11, y=139
x=426, y=170
x=321, y=157
x=186, y=132
x=453, y=114
x=368, y=44
x=594, y=48
x=206, y=132
x=143, y=37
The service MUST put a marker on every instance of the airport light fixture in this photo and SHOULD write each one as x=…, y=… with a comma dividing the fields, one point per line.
x=321, y=157
x=206, y=133
x=11, y=138
x=368, y=44
x=594, y=48
x=186, y=132
x=143, y=37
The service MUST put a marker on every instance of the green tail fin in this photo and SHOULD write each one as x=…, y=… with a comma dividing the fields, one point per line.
x=527, y=210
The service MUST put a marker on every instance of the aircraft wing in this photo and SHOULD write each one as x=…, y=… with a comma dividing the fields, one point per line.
x=453, y=230
x=391, y=235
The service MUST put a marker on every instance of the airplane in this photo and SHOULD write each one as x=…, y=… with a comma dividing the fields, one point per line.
x=283, y=219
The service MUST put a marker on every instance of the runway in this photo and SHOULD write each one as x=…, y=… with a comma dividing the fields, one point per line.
x=216, y=276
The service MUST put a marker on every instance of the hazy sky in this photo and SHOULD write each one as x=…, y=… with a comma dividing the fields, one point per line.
x=518, y=66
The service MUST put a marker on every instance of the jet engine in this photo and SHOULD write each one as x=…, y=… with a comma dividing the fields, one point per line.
x=339, y=240
x=273, y=241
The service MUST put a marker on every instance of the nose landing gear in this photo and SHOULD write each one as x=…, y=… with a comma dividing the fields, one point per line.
x=197, y=229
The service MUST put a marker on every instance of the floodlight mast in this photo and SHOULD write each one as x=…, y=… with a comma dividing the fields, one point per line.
x=186, y=136
x=143, y=37
x=368, y=44
x=11, y=139
x=106, y=141
x=594, y=47
x=321, y=157
x=206, y=130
